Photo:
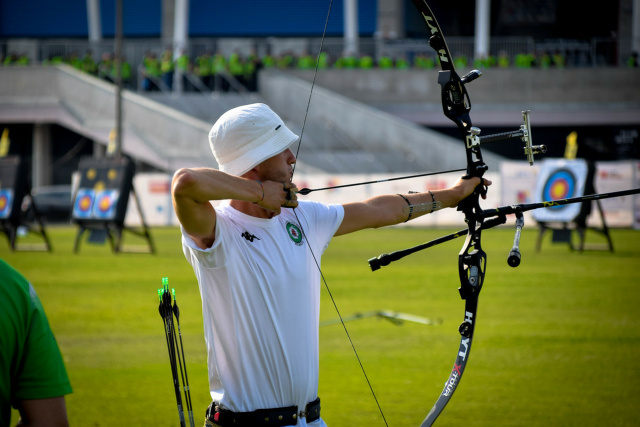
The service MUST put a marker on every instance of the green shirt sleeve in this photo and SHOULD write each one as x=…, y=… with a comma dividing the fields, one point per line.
x=31, y=366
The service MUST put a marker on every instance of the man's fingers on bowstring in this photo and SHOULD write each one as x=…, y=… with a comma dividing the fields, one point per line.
x=291, y=195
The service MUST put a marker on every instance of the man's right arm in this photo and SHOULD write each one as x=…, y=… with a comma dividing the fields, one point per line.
x=193, y=189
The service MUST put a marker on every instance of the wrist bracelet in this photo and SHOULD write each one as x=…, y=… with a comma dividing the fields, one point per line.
x=410, y=207
x=262, y=198
x=433, y=201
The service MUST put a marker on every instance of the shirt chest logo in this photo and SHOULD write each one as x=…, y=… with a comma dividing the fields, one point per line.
x=294, y=233
x=250, y=237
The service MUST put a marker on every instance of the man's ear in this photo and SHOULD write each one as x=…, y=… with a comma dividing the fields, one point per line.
x=253, y=174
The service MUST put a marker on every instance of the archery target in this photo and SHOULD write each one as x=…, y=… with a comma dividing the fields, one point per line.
x=105, y=185
x=13, y=187
x=6, y=201
x=560, y=179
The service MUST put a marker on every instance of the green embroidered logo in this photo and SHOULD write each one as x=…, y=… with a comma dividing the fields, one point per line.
x=294, y=233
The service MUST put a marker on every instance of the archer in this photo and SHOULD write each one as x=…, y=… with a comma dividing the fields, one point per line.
x=261, y=296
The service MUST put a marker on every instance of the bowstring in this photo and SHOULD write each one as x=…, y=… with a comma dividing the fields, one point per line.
x=313, y=83
x=304, y=235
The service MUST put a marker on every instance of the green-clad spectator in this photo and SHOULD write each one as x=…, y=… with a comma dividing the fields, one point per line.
x=33, y=378
x=632, y=60
x=125, y=66
x=268, y=61
x=323, y=61
x=350, y=61
x=524, y=60
x=284, y=61
x=54, y=60
x=88, y=64
x=365, y=62
x=151, y=72
x=183, y=64
x=558, y=59
x=340, y=63
x=75, y=61
x=219, y=69
x=166, y=68
x=402, y=63
x=460, y=61
x=480, y=62
x=424, y=62
x=503, y=59
x=22, y=60
x=126, y=73
x=385, y=63
x=9, y=59
x=236, y=67
x=105, y=68
x=305, y=62
x=203, y=69
x=250, y=73
x=544, y=60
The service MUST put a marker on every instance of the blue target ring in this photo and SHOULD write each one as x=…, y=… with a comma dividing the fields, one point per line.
x=561, y=184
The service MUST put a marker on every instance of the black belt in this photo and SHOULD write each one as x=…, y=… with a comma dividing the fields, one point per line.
x=287, y=416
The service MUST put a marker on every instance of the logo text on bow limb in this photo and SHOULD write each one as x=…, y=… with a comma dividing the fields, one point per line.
x=450, y=385
x=429, y=21
x=442, y=53
x=464, y=347
x=250, y=237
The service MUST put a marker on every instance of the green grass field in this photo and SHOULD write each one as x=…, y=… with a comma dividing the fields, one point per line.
x=555, y=344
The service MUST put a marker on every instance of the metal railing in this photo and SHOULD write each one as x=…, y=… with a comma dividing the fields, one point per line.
x=597, y=52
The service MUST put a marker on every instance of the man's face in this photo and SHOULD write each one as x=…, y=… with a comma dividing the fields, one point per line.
x=278, y=168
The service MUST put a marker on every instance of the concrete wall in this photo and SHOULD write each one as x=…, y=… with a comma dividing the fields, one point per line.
x=381, y=131
x=163, y=137
x=578, y=85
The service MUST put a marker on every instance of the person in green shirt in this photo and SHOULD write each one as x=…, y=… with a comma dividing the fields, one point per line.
x=183, y=65
x=365, y=62
x=88, y=64
x=385, y=63
x=33, y=378
x=151, y=72
x=167, y=67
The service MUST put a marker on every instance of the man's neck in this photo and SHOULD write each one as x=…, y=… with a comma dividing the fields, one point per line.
x=251, y=209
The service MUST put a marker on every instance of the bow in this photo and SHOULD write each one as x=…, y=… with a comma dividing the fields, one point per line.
x=472, y=260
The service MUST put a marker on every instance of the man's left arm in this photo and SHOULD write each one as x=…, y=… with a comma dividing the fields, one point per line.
x=382, y=211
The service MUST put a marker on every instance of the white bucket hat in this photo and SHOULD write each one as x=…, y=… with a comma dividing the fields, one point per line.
x=246, y=136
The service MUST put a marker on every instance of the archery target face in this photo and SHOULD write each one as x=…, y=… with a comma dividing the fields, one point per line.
x=560, y=179
x=84, y=203
x=6, y=200
x=105, y=206
x=561, y=184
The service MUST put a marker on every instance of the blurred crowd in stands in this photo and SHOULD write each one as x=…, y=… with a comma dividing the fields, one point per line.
x=211, y=71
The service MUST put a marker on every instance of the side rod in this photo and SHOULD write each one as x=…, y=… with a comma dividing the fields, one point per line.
x=386, y=259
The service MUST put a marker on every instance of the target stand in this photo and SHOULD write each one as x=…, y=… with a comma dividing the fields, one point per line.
x=562, y=179
x=14, y=188
x=101, y=201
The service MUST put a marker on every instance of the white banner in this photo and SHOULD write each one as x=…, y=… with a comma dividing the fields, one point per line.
x=514, y=184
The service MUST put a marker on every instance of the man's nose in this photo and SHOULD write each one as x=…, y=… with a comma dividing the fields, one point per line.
x=291, y=158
